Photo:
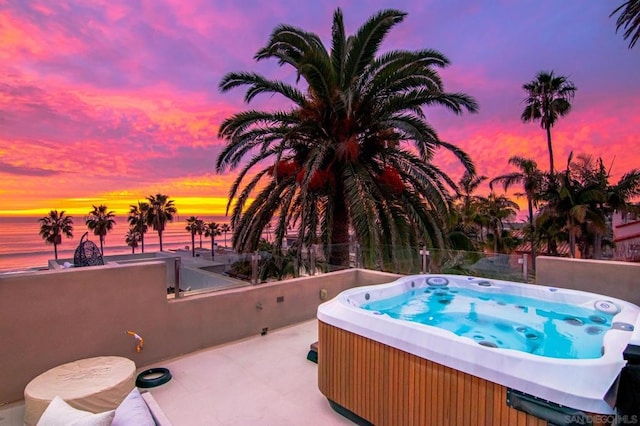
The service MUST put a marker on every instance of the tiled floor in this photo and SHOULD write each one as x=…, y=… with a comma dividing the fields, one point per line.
x=12, y=414
x=263, y=380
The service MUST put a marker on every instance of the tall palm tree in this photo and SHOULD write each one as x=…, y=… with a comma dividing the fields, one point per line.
x=138, y=219
x=131, y=238
x=532, y=179
x=100, y=221
x=549, y=97
x=212, y=230
x=354, y=149
x=224, y=229
x=629, y=19
x=54, y=226
x=192, y=227
x=161, y=211
x=200, y=229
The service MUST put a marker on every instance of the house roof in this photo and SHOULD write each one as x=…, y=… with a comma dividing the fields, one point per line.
x=542, y=249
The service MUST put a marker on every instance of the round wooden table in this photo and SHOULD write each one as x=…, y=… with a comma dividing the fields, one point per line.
x=92, y=384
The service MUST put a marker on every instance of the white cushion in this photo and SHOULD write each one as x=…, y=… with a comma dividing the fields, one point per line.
x=133, y=411
x=59, y=413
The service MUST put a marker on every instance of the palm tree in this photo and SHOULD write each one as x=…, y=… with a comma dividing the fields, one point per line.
x=200, y=229
x=54, y=226
x=100, y=221
x=592, y=174
x=160, y=212
x=138, y=220
x=354, y=149
x=548, y=98
x=532, y=179
x=619, y=196
x=131, y=238
x=629, y=19
x=467, y=205
x=212, y=230
x=549, y=230
x=224, y=229
x=192, y=227
x=573, y=204
x=497, y=209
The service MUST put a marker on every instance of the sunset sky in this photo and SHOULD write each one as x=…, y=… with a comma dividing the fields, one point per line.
x=108, y=101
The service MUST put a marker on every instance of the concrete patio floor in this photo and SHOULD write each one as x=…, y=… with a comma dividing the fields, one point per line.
x=264, y=380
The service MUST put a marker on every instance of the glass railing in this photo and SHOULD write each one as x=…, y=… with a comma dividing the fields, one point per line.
x=420, y=260
x=229, y=269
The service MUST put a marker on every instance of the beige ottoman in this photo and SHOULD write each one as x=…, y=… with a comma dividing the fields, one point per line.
x=93, y=384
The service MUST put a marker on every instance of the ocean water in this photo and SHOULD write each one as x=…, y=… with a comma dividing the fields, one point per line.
x=21, y=245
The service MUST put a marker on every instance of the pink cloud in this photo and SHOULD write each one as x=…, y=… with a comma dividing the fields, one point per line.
x=117, y=97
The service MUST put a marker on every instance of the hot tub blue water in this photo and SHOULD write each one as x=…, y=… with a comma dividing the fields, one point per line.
x=501, y=320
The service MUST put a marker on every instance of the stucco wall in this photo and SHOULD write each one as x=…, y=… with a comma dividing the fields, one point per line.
x=616, y=279
x=52, y=317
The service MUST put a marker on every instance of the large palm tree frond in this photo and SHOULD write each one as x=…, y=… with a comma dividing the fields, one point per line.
x=629, y=20
x=258, y=84
x=366, y=42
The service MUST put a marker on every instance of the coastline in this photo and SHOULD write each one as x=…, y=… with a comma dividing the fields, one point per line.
x=22, y=248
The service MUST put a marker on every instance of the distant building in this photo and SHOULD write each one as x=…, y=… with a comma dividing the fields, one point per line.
x=626, y=236
x=562, y=248
x=517, y=231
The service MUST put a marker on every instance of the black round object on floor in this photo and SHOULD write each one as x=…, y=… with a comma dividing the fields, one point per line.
x=153, y=377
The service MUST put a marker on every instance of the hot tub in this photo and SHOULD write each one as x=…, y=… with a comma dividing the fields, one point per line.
x=392, y=371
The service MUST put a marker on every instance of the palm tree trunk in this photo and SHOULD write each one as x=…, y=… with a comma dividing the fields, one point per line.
x=133, y=250
x=339, y=250
x=533, y=236
x=101, y=245
x=212, y=252
x=160, y=238
x=142, y=241
x=550, y=148
x=193, y=245
x=597, y=245
x=55, y=250
x=572, y=243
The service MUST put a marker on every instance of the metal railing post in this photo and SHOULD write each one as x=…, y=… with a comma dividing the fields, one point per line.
x=425, y=260
x=176, y=280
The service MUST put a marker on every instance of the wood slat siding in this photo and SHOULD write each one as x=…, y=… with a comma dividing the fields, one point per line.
x=387, y=386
